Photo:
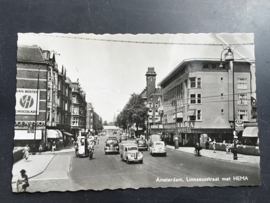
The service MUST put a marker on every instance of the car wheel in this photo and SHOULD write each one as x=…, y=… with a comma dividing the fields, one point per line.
x=127, y=161
x=141, y=161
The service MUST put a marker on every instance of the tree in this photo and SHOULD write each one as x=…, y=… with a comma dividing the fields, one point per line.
x=105, y=123
x=135, y=111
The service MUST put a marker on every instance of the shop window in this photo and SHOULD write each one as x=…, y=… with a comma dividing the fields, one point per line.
x=192, y=118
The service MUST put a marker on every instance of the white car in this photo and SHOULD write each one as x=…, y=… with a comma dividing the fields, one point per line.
x=130, y=153
x=158, y=147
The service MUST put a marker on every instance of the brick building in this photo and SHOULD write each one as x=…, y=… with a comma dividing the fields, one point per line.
x=31, y=97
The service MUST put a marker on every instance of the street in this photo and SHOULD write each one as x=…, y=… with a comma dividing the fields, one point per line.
x=69, y=173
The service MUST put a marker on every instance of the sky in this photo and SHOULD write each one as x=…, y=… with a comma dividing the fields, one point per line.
x=110, y=68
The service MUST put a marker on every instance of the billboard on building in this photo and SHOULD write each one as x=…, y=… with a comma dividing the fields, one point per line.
x=27, y=101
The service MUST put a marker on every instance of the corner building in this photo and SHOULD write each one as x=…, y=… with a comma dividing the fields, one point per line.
x=199, y=95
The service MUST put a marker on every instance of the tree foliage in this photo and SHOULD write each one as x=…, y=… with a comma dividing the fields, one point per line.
x=134, y=112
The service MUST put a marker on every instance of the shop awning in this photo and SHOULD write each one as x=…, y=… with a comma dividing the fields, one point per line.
x=24, y=135
x=54, y=134
x=250, y=132
x=68, y=134
x=191, y=113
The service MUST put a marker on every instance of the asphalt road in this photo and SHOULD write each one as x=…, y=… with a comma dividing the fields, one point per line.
x=178, y=169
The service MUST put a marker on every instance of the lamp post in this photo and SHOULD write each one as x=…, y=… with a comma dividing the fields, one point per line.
x=37, y=102
x=229, y=57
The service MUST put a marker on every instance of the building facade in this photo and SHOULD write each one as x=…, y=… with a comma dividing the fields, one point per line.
x=89, y=117
x=78, y=110
x=200, y=101
x=31, y=97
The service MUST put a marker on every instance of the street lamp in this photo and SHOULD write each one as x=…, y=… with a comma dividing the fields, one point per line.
x=229, y=57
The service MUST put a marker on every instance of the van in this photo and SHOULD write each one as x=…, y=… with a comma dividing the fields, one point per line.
x=154, y=138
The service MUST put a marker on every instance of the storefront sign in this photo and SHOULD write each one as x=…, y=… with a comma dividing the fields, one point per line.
x=239, y=125
x=27, y=101
x=186, y=124
x=157, y=127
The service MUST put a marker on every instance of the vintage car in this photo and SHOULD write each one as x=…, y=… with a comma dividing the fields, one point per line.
x=130, y=153
x=142, y=144
x=153, y=138
x=158, y=147
x=123, y=137
x=111, y=146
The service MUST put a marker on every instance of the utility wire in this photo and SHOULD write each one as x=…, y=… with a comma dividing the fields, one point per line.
x=140, y=42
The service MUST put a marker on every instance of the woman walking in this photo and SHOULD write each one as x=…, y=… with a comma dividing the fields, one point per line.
x=22, y=182
x=26, y=152
x=214, y=145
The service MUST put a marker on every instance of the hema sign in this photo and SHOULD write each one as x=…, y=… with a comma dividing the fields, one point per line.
x=27, y=101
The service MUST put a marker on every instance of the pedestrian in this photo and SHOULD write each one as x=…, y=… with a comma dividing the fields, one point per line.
x=197, y=149
x=207, y=144
x=40, y=149
x=76, y=148
x=26, y=152
x=22, y=182
x=53, y=146
x=214, y=145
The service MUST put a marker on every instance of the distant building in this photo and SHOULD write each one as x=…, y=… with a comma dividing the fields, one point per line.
x=89, y=117
x=78, y=110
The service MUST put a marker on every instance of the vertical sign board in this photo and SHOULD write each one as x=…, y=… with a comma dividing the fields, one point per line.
x=27, y=101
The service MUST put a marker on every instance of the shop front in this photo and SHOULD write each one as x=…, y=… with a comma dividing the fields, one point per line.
x=32, y=139
x=54, y=135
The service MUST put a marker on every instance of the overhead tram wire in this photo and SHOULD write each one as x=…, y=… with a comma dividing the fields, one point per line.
x=141, y=42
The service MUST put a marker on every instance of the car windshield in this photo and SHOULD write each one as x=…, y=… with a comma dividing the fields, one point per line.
x=159, y=143
x=132, y=148
x=112, y=141
x=141, y=141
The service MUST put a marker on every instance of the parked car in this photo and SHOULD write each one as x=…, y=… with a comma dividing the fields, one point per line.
x=111, y=146
x=142, y=145
x=130, y=153
x=158, y=147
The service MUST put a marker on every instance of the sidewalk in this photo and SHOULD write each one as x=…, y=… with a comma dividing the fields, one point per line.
x=36, y=164
x=221, y=155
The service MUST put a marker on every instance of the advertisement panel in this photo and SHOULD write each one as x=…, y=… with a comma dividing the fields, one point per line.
x=27, y=101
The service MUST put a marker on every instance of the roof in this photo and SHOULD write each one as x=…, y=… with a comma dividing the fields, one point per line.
x=30, y=54
x=143, y=93
x=179, y=66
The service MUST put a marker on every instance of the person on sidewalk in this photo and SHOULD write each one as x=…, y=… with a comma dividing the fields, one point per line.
x=26, y=152
x=197, y=149
x=22, y=182
x=53, y=147
x=214, y=145
x=40, y=149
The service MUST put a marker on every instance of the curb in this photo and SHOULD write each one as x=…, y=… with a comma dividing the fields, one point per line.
x=38, y=173
x=235, y=161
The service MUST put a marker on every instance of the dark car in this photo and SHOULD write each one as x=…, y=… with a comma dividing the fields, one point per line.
x=111, y=146
x=142, y=145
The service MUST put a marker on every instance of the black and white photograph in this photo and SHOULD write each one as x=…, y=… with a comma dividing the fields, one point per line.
x=119, y=111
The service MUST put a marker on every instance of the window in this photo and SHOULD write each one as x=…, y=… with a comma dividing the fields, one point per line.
x=49, y=95
x=198, y=82
x=75, y=121
x=198, y=98
x=241, y=83
x=192, y=82
x=192, y=118
x=74, y=99
x=66, y=106
x=199, y=115
x=242, y=115
x=75, y=110
x=67, y=91
x=242, y=99
x=193, y=98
